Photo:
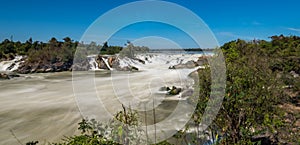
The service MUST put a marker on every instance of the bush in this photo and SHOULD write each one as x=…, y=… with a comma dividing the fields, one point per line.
x=123, y=128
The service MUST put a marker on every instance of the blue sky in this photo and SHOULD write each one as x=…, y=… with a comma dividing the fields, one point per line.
x=227, y=19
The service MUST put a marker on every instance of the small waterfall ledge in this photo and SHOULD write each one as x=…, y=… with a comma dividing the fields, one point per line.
x=11, y=65
x=105, y=60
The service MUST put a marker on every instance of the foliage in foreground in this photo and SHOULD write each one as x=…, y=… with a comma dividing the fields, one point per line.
x=122, y=129
x=256, y=76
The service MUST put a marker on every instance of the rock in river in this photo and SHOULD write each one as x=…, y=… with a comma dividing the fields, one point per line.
x=5, y=76
x=175, y=91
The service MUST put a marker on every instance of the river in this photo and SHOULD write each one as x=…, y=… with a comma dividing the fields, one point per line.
x=47, y=107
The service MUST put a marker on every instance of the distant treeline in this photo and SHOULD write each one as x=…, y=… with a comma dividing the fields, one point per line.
x=51, y=51
x=55, y=51
x=183, y=49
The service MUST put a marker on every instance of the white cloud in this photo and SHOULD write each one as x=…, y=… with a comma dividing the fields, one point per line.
x=294, y=29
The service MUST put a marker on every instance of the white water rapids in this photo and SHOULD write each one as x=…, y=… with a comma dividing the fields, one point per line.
x=10, y=65
x=106, y=63
x=46, y=107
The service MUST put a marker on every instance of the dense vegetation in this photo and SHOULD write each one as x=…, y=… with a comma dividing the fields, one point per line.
x=130, y=50
x=257, y=73
x=51, y=56
x=118, y=129
x=56, y=56
x=262, y=78
x=51, y=51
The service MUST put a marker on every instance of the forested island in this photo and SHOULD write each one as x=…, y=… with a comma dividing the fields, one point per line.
x=261, y=103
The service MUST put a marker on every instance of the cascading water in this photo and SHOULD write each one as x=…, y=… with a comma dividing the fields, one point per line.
x=93, y=63
x=106, y=63
x=43, y=100
x=11, y=65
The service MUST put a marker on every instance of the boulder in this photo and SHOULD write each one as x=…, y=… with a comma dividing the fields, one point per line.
x=45, y=67
x=174, y=91
x=111, y=61
x=139, y=60
x=40, y=70
x=4, y=76
x=190, y=64
x=102, y=64
x=12, y=66
x=133, y=68
x=24, y=70
x=171, y=67
x=202, y=61
x=49, y=70
x=13, y=75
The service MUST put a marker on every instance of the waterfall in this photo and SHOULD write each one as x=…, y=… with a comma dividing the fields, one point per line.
x=10, y=65
x=106, y=63
x=93, y=63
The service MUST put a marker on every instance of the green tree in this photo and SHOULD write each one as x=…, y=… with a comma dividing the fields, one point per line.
x=253, y=94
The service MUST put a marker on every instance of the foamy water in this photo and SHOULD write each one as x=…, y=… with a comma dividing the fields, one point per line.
x=37, y=108
x=10, y=65
x=46, y=107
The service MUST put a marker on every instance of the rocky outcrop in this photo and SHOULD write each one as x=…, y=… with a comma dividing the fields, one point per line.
x=113, y=63
x=174, y=91
x=139, y=60
x=203, y=60
x=11, y=64
x=39, y=67
x=111, y=60
x=6, y=76
x=97, y=62
x=191, y=64
x=171, y=90
x=101, y=64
